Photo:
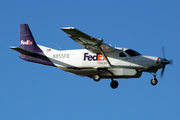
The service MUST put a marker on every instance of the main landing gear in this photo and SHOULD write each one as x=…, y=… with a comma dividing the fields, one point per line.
x=154, y=81
x=97, y=77
x=114, y=84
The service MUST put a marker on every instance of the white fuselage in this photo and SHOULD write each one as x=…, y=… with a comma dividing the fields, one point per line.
x=86, y=63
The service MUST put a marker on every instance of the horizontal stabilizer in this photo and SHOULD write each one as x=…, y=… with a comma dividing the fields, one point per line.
x=29, y=53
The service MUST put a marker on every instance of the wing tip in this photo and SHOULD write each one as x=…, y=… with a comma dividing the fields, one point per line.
x=67, y=28
x=12, y=47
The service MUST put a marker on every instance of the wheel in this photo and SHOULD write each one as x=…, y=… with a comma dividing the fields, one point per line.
x=97, y=77
x=114, y=84
x=154, y=81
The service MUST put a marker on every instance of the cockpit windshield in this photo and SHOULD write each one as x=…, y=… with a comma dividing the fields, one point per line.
x=132, y=53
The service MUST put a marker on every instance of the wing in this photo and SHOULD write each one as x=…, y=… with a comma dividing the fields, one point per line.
x=92, y=44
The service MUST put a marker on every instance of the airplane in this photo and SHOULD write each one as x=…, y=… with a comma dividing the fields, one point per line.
x=97, y=61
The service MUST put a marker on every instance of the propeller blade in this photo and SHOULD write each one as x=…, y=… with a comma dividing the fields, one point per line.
x=163, y=51
x=162, y=72
x=165, y=62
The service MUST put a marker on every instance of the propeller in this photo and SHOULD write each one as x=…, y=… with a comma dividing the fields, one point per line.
x=164, y=62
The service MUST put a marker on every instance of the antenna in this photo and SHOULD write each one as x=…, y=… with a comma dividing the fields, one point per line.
x=59, y=48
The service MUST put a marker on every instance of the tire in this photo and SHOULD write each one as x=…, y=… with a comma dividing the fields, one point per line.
x=154, y=81
x=97, y=77
x=114, y=84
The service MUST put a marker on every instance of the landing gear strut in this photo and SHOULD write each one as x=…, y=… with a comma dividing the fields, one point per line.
x=114, y=84
x=154, y=81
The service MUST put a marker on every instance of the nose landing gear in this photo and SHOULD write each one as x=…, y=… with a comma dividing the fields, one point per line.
x=154, y=81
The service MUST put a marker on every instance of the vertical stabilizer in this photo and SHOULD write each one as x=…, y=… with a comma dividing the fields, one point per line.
x=27, y=41
x=29, y=50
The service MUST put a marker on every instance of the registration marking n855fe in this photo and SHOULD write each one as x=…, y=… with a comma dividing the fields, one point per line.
x=61, y=56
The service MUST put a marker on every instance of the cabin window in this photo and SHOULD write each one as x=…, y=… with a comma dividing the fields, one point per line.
x=121, y=54
x=132, y=53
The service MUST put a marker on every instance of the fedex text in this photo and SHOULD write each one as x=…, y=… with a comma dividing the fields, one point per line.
x=27, y=42
x=96, y=57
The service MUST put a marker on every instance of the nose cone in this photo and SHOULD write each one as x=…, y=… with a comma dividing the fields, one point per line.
x=165, y=62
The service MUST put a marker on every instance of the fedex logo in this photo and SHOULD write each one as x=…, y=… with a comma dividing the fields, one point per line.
x=97, y=57
x=28, y=42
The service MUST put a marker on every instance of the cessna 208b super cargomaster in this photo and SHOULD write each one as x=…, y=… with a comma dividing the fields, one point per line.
x=98, y=60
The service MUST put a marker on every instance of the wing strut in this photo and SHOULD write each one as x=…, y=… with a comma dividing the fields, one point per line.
x=104, y=55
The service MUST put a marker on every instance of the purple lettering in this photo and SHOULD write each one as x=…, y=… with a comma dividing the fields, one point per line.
x=90, y=57
x=85, y=56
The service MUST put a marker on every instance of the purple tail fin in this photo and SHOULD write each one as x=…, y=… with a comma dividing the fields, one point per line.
x=29, y=50
x=27, y=41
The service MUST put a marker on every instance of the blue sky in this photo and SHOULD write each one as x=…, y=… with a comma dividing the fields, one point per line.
x=33, y=91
